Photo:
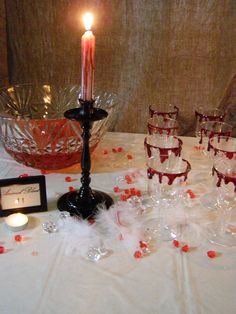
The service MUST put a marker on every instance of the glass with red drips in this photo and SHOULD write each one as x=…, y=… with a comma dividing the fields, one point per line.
x=203, y=115
x=165, y=188
x=162, y=146
x=162, y=125
x=223, y=146
x=165, y=110
x=210, y=129
x=223, y=230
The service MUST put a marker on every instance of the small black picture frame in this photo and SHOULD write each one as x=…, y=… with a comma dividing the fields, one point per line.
x=23, y=194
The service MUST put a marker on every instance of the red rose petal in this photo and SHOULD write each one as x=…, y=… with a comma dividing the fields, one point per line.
x=212, y=254
x=71, y=188
x=185, y=248
x=127, y=192
x=138, y=193
x=120, y=149
x=2, y=249
x=114, y=150
x=105, y=152
x=129, y=157
x=137, y=254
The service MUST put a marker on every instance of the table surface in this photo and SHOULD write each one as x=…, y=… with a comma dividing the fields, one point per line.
x=38, y=275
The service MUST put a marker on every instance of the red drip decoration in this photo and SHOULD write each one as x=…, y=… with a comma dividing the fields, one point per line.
x=171, y=176
x=164, y=151
x=207, y=133
x=171, y=114
x=226, y=178
x=228, y=154
x=204, y=117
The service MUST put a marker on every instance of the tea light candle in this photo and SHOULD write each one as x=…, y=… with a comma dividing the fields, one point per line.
x=16, y=222
x=87, y=52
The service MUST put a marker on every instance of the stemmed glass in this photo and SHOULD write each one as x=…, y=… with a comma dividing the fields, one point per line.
x=223, y=231
x=165, y=188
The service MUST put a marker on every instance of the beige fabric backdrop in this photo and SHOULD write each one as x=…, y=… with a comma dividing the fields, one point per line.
x=182, y=52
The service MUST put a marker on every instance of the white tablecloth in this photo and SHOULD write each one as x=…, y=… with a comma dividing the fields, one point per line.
x=37, y=276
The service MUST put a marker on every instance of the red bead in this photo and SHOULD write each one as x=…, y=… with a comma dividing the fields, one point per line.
x=211, y=254
x=137, y=254
x=143, y=245
x=191, y=194
x=120, y=149
x=124, y=197
x=133, y=191
x=91, y=221
x=116, y=189
x=68, y=179
x=2, y=249
x=129, y=157
x=176, y=243
x=71, y=189
x=23, y=175
x=105, y=152
x=114, y=150
x=44, y=171
x=185, y=248
x=18, y=238
x=120, y=237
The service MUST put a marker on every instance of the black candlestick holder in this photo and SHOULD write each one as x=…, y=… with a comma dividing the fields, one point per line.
x=84, y=202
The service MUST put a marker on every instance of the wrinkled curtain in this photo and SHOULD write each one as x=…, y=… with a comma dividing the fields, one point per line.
x=183, y=52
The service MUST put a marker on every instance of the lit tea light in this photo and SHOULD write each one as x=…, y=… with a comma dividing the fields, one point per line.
x=16, y=222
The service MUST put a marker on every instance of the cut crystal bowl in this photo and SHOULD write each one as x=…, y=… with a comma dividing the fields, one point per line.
x=33, y=129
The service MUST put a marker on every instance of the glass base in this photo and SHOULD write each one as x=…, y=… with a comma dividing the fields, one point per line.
x=220, y=237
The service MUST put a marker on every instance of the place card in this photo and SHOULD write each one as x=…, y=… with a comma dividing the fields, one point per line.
x=23, y=194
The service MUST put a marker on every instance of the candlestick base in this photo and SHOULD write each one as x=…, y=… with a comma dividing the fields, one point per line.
x=85, y=202
x=84, y=208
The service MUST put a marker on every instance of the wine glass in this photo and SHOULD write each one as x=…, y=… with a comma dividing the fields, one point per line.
x=162, y=125
x=166, y=190
x=223, y=230
x=162, y=146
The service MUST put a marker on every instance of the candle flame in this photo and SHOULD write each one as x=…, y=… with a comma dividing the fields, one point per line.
x=88, y=21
